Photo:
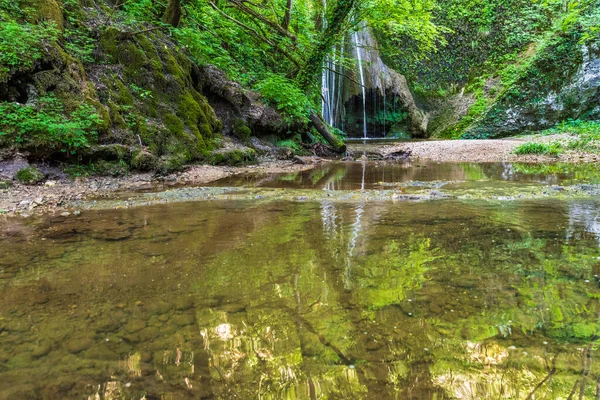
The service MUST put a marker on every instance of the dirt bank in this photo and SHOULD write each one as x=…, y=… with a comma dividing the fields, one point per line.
x=498, y=150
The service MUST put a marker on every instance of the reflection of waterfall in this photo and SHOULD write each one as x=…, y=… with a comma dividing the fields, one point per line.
x=328, y=218
x=362, y=83
x=584, y=218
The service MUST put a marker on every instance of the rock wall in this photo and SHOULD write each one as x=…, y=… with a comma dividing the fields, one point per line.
x=562, y=83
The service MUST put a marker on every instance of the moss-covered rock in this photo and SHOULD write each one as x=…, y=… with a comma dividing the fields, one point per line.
x=152, y=99
x=111, y=168
x=234, y=157
x=562, y=83
x=241, y=130
x=44, y=11
x=142, y=160
x=30, y=176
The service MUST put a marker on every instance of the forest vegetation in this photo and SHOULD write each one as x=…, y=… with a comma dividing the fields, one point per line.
x=154, y=85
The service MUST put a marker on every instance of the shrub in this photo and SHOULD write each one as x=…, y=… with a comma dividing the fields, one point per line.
x=284, y=95
x=29, y=176
x=552, y=149
x=22, y=45
x=80, y=44
x=47, y=126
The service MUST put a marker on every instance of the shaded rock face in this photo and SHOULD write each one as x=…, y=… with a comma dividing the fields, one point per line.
x=232, y=103
x=386, y=103
x=547, y=95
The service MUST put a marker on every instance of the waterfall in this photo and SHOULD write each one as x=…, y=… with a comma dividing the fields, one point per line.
x=341, y=106
x=362, y=83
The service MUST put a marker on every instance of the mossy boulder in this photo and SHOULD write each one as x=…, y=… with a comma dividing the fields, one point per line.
x=44, y=11
x=241, y=130
x=153, y=100
x=30, y=176
x=111, y=168
x=143, y=160
x=234, y=157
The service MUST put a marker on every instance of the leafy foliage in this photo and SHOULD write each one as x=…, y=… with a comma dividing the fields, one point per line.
x=283, y=94
x=406, y=28
x=21, y=45
x=553, y=149
x=47, y=126
x=80, y=44
x=480, y=36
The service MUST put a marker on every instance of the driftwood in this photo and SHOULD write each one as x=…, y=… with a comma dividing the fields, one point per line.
x=336, y=143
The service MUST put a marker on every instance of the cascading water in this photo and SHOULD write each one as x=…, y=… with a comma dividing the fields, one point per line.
x=328, y=80
x=369, y=91
x=362, y=83
x=333, y=91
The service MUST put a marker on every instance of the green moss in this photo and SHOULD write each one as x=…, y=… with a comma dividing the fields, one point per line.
x=234, y=157
x=144, y=161
x=190, y=111
x=133, y=60
x=111, y=168
x=174, y=125
x=109, y=42
x=150, y=52
x=122, y=94
x=241, y=130
x=205, y=130
x=173, y=162
x=30, y=176
x=174, y=68
x=44, y=10
x=115, y=115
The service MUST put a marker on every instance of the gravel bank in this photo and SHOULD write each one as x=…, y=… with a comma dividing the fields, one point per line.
x=498, y=150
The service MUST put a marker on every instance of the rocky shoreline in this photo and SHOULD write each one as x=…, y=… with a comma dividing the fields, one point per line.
x=59, y=194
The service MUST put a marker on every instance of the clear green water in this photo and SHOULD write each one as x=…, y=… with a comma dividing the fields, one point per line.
x=304, y=300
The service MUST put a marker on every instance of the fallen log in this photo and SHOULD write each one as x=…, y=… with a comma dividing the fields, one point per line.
x=336, y=143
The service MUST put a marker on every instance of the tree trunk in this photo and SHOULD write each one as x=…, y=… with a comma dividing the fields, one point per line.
x=314, y=65
x=288, y=15
x=172, y=15
x=322, y=128
x=328, y=38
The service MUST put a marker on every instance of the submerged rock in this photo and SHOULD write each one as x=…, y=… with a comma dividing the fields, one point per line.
x=78, y=344
x=135, y=325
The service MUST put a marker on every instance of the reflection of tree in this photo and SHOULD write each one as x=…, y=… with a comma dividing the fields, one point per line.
x=386, y=277
x=292, y=332
x=441, y=305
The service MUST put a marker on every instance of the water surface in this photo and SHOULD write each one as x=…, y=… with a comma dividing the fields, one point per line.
x=385, y=175
x=304, y=300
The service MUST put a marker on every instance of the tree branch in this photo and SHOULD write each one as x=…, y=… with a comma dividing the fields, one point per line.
x=551, y=372
x=257, y=35
x=273, y=25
